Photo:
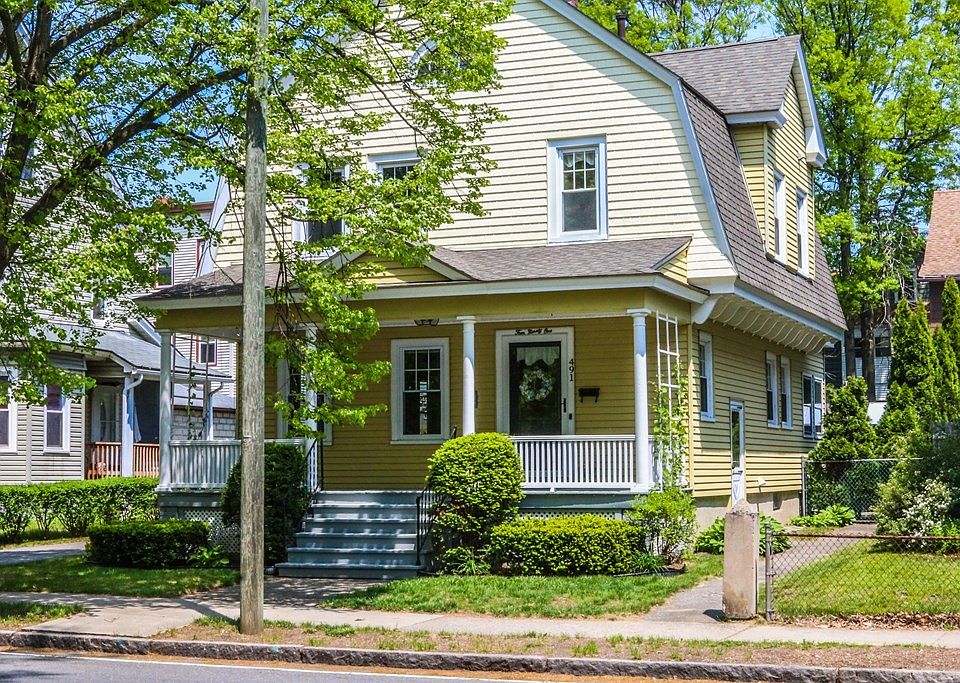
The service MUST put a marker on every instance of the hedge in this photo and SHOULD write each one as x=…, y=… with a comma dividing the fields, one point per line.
x=147, y=544
x=75, y=504
x=576, y=544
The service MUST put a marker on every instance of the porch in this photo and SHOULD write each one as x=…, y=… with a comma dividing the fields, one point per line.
x=105, y=459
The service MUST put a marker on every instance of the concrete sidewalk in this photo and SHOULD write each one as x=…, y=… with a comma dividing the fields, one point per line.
x=144, y=617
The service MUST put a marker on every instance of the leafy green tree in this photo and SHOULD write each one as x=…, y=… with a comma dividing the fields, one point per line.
x=656, y=25
x=886, y=77
x=105, y=105
x=847, y=432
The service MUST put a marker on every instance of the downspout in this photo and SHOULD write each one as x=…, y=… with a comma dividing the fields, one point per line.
x=130, y=382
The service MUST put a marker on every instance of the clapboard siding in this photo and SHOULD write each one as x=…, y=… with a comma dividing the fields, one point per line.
x=751, y=144
x=559, y=82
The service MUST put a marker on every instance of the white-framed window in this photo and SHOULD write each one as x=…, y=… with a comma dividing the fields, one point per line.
x=56, y=418
x=706, y=375
x=164, y=277
x=773, y=417
x=312, y=230
x=812, y=406
x=98, y=308
x=779, y=217
x=207, y=351
x=786, y=394
x=577, y=186
x=8, y=416
x=394, y=166
x=420, y=388
x=290, y=383
x=803, y=231
x=423, y=65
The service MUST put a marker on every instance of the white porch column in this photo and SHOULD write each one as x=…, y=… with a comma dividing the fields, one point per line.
x=166, y=407
x=641, y=411
x=207, y=411
x=469, y=374
x=311, y=398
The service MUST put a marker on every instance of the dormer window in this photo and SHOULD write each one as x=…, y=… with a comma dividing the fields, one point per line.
x=577, y=188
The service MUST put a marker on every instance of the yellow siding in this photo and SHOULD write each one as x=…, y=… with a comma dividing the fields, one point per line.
x=751, y=144
x=393, y=273
x=772, y=453
x=559, y=82
x=676, y=268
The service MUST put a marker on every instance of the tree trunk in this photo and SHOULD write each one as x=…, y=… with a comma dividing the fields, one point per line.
x=868, y=352
x=850, y=349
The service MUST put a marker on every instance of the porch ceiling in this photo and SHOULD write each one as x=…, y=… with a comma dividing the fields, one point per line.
x=760, y=321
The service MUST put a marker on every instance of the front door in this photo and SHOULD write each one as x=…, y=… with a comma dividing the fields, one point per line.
x=535, y=376
x=737, y=453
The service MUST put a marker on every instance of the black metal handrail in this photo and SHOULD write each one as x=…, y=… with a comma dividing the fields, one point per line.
x=426, y=502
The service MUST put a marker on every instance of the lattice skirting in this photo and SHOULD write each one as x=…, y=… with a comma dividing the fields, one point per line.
x=202, y=507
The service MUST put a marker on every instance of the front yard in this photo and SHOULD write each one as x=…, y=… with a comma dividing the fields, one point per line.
x=74, y=575
x=531, y=596
x=14, y=615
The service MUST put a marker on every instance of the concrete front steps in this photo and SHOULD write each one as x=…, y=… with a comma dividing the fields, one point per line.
x=356, y=535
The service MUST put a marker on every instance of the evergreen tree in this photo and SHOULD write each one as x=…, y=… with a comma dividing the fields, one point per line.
x=950, y=303
x=911, y=400
x=947, y=379
x=847, y=432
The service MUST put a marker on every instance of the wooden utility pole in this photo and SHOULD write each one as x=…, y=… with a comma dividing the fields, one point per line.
x=251, y=375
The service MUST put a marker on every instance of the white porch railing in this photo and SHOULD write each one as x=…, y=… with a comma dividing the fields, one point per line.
x=578, y=461
x=196, y=464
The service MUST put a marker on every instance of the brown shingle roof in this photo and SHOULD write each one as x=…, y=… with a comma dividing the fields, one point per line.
x=817, y=298
x=941, y=258
x=738, y=78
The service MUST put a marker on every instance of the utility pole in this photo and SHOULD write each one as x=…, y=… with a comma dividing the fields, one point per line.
x=251, y=377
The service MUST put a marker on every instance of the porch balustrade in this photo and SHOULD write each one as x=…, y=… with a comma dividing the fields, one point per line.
x=104, y=459
x=578, y=462
x=196, y=464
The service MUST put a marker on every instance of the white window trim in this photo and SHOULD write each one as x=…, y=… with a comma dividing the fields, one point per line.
x=216, y=348
x=283, y=388
x=706, y=340
x=299, y=231
x=12, y=418
x=65, y=425
x=787, y=391
x=803, y=232
x=771, y=370
x=173, y=272
x=397, y=347
x=780, y=216
x=376, y=162
x=814, y=433
x=555, y=185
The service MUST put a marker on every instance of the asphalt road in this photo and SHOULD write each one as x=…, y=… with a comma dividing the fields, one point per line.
x=67, y=669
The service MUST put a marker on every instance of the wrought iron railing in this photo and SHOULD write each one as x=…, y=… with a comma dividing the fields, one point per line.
x=426, y=503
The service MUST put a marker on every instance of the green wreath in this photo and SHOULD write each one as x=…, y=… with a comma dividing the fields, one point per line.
x=536, y=384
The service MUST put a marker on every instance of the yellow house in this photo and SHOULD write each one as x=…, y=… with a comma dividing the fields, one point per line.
x=559, y=316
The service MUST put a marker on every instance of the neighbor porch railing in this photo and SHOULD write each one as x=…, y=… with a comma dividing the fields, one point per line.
x=104, y=459
x=578, y=461
x=196, y=464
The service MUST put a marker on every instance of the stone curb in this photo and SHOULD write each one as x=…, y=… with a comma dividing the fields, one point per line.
x=297, y=654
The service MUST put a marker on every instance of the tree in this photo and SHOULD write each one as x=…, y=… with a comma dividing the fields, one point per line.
x=946, y=378
x=912, y=399
x=847, y=432
x=95, y=95
x=950, y=313
x=656, y=25
x=886, y=78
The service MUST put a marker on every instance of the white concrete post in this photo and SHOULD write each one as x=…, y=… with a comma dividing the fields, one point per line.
x=641, y=417
x=166, y=407
x=469, y=374
x=741, y=541
x=127, y=407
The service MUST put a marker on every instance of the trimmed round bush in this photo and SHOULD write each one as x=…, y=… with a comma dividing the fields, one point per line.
x=572, y=545
x=668, y=520
x=477, y=479
x=147, y=544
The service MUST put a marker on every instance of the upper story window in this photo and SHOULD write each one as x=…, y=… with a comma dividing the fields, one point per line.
x=164, y=276
x=803, y=230
x=706, y=376
x=577, y=186
x=207, y=351
x=779, y=217
x=396, y=170
x=98, y=309
x=421, y=389
x=314, y=230
x=424, y=61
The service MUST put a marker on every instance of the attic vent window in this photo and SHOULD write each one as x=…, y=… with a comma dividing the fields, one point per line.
x=577, y=188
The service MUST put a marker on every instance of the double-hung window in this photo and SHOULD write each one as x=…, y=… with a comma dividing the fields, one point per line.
x=207, y=351
x=577, y=185
x=786, y=399
x=165, y=270
x=7, y=421
x=706, y=375
x=421, y=389
x=803, y=230
x=779, y=217
x=55, y=419
x=313, y=230
x=812, y=406
x=772, y=397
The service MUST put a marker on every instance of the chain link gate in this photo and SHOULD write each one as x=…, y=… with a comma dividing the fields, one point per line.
x=851, y=483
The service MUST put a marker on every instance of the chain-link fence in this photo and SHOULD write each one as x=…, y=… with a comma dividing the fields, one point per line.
x=852, y=573
x=852, y=483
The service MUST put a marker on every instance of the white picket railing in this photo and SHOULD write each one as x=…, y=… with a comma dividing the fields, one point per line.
x=578, y=461
x=196, y=464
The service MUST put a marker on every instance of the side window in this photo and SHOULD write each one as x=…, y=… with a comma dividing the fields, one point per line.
x=772, y=397
x=314, y=230
x=577, y=179
x=779, y=217
x=420, y=403
x=164, y=276
x=55, y=419
x=812, y=406
x=207, y=351
x=7, y=424
x=786, y=398
x=706, y=375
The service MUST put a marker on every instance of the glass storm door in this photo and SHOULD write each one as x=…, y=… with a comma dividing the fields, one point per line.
x=536, y=396
x=737, y=453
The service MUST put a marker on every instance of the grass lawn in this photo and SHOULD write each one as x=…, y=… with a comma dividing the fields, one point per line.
x=32, y=535
x=530, y=596
x=862, y=580
x=74, y=575
x=15, y=615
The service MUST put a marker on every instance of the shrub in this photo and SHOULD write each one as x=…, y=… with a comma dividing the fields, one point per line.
x=668, y=521
x=578, y=544
x=477, y=480
x=711, y=540
x=832, y=516
x=15, y=511
x=147, y=544
x=847, y=432
x=286, y=498
x=912, y=505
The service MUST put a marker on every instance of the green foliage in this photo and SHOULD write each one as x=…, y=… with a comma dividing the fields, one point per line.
x=286, y=498
x=654, y=26
x=565, y=546
x=847, y=432
x=711, y=539
x=832, y=516
x=148, y=545
x=668, y=521
x=463, y=561
x=950, y=313
x=671, y=439
x=477, y=479
x=209, y=558
x=912, y=399
x=946, y=379
x=75, y=504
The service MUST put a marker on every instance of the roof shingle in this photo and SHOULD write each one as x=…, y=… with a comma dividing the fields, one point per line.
x=941, y=258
